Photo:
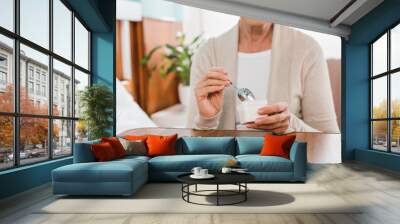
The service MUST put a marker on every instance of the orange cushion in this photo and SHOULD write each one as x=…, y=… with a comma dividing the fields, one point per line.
x=135, y=137
x=277, y=145
x=103, y=152
x=161, y=145
x=116, y=145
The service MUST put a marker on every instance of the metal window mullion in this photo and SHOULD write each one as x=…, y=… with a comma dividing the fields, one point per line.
x=16, y=85
x=37, y=116
x=89, y=51
x=114, y=133
x=371, y=97
x=385, y=73
x=84, y=70
x=73, y=82
x=389, y=100
x=384, y=119
x=50, y=81
x=43, y=50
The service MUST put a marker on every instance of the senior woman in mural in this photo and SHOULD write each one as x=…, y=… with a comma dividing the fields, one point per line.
x=278, y=64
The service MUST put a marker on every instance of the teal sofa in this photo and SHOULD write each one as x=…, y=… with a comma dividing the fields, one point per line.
x=125, y=176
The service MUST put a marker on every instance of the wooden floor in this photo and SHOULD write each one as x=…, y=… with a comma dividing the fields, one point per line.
x=351, y=181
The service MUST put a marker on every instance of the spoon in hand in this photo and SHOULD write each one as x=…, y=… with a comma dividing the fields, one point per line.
x=244, y=94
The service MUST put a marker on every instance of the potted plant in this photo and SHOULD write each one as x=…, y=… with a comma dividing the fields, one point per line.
x=96, y=104
x=176, y=60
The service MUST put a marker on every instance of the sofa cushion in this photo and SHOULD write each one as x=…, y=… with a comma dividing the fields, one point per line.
x=83, y=153
x=206, y=145
x=116, y=145
x=159, y=145
x=134, y=147
x=277, y=145
x=132, y=158
x=257, y=163
x=136, y=137
x=112, y=171
x=103, y=152
x=249, y=145
x=185, y=163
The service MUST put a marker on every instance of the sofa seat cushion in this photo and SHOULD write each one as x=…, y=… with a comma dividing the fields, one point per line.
x=113, y=171
x=133, y=158
x=185, y=163
x=257, y=163
x=206, y=145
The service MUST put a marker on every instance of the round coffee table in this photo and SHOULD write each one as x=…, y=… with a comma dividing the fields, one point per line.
x=238, y=179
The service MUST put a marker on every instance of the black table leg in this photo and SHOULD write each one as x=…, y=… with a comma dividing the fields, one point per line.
x=220, y=193
x=245, y=193
x=217, y=194
x=182, y=190
x=188, y=190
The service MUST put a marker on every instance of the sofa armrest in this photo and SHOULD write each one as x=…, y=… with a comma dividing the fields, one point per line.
x=298, y=155
x=83, y=152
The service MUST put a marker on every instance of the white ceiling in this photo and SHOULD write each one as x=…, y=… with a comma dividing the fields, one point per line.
x=321, y=9
x=326, y=16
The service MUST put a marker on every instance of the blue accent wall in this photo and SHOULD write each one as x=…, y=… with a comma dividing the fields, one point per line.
x=103, y=53
x=355, y=84
x=24, y=178
x=103, y=58
x=380, y=159
x=89, y=11
x=99, y=16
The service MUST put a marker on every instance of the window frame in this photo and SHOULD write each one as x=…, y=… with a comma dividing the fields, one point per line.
x=388, y=74
x=16, y=115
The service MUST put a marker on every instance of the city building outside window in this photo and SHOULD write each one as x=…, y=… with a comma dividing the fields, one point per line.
x=44, y=77
x=30, y=87
x=43, y=90
x=38, y=89
x=3, y=61
x=57, y=127
x=3, y=72
x=3, y=79
x=37, y=74
x=30, y=72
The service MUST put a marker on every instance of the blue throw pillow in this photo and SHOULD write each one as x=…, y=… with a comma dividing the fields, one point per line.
x=83, y=152
x=206, y=145
x=249, y=145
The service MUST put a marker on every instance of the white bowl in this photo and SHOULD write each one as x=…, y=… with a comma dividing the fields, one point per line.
x=248, y=110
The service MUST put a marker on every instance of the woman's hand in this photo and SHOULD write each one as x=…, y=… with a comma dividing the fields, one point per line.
x=274, y=117
x=209, y=92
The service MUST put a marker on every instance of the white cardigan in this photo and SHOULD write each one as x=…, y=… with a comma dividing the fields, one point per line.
x=298, y=76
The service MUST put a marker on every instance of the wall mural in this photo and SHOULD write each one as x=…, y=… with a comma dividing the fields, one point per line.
x=235, y=74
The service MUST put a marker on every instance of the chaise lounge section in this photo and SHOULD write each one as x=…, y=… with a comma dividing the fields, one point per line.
x=88, y=177
x=125, y=176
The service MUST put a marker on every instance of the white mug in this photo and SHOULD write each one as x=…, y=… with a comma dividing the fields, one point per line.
x=226, y=170
x=196, y=171
x=203, y=172
x=248, y=110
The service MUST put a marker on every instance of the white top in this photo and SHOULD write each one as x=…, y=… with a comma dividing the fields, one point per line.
x=253, y=73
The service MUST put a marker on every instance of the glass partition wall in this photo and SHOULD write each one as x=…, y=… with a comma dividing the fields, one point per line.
x=385, y=91
x=44, y=64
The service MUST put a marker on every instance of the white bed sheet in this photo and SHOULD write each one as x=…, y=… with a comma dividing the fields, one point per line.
x=129, y=113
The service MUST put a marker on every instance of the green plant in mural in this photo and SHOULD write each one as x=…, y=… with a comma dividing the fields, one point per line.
x=175, y=59
x=96, y=103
